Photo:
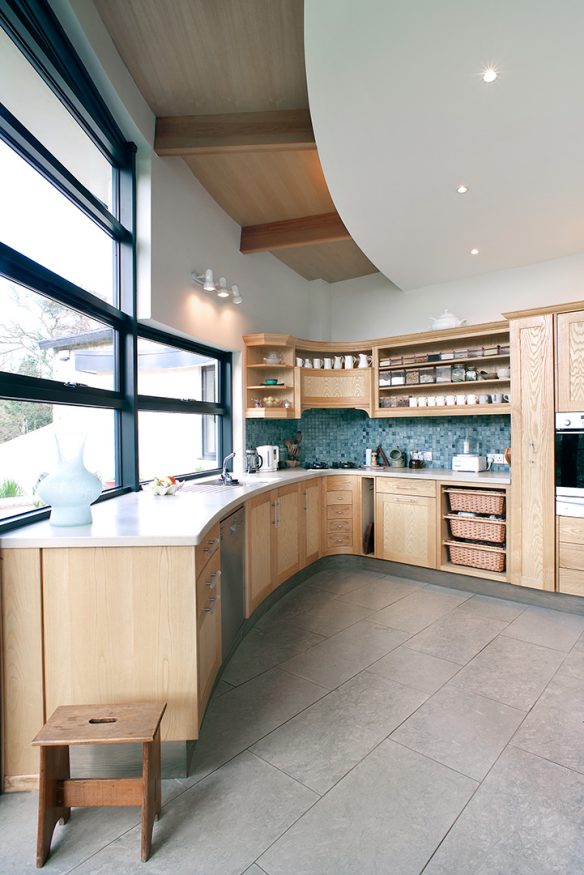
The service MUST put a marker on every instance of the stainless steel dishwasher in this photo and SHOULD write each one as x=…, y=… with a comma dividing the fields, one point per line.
x=232, y=578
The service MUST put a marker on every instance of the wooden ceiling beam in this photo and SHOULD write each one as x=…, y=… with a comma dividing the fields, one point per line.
x=293, y=232
x=234, y=132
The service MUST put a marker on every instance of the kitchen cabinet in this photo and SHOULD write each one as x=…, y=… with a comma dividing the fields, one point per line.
x=405, y=521
x=260, y=517
x=286, y=534
x=208, y=630
x=336, y=388
x=270, y=357
x=339, y=511
x=570, y=361
x=532, y=553
x=571, y=555
x=310, y=496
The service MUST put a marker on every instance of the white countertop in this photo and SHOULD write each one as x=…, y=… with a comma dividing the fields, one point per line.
x=140, y=519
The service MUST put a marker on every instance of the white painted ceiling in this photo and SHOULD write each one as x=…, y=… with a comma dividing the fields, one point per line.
x=402, y=117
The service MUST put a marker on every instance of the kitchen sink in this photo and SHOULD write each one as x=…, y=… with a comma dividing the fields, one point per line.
x=218, y=485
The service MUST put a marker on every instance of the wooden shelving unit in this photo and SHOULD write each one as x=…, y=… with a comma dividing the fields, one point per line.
x=258, y=347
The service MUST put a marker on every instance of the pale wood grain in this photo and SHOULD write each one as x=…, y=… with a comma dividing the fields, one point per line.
x=311, y=522
x=570, y=361
x=259, y=522
x=571, y=529
x=287, y=534
x=402, y=485
x=571, y=581
x=22, y=665
x=406, y=529
x=334, y=261
x=208, y=645
x=120, y=626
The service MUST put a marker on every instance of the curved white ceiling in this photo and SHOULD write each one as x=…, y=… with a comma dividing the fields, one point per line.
x=402, y=117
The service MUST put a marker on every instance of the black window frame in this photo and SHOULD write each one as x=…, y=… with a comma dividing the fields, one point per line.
x=36, y=31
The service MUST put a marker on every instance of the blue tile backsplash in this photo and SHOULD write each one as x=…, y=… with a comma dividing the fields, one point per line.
x=344, y=435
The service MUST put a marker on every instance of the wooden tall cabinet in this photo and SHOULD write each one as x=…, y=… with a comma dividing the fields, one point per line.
x=570, y=361
x=310, y=501
x=532, y=424
x=260, y=518
x=286, y=534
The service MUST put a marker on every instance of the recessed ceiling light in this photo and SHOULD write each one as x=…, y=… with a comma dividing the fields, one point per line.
x=474, y=251
x=489, y=74
x=462, y=189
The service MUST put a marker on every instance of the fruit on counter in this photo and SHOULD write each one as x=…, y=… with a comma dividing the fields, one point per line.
x=165, y=481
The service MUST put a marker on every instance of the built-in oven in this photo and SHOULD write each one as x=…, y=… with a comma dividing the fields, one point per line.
x=570, y=464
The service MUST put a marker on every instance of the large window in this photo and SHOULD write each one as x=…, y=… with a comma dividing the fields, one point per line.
x=72, y=356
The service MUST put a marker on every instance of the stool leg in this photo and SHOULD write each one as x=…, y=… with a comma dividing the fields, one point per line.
x=148, y=798
x=54, y=769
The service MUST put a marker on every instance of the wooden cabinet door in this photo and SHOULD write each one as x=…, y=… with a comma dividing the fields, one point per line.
x=209, y=648
x=405, y=527
x=286, y=534
x=260, y=516
x=311, y=521
x=532, y=518
x=570, y=361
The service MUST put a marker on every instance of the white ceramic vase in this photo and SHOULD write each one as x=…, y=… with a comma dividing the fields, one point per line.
x=71, y=488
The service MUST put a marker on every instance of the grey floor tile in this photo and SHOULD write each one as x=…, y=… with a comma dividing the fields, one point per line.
x=579, y=645
x=491, y=608
x=235, y=721
x=554, y=728
x=407, y=805
x=301, y=599
x=324, y=742
x=218, y=827
x=341, y=581
x=527, y=818
x=416, y=611
x=328, y=619
x=415, y=669
x=265, y=647
x=343, y=655
x=380, y=592
x=573, y=664
x=460, y=730
x=222, y=688
x=254, y=870
x=456, y=637
x=548, y=628
x=511, y=671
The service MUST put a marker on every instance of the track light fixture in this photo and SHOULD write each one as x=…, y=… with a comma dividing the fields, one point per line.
x=208, y=284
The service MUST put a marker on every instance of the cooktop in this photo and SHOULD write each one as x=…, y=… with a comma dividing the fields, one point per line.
x=324, y=465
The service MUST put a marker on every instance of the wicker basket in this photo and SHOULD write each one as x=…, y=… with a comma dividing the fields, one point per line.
x=477, y=529
x=475, y=501
x=486, y=558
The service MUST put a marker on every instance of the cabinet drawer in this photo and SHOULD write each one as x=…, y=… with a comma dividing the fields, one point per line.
x=342, y=539
x=571, y=556
x=570, y=581
x=340, y=525
x=571, y=530
x=339, y=497
x=207, y=548
x=339, y=511
x=209, y=583
x=398, y=485
x=338, y=481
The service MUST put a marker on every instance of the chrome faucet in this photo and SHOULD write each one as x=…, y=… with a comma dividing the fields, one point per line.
x=225, y=475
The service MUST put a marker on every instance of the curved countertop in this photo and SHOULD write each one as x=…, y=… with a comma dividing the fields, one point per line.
x=140, y=519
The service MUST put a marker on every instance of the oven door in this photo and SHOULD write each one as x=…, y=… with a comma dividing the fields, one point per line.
x=570, y=473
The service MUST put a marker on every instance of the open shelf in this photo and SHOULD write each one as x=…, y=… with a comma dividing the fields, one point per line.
x=450, y=361
x=481, y=494
x=447, y=410
x=404, y=387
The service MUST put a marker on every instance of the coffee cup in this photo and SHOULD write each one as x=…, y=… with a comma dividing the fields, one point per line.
x=506, y=398
x=307, y=363
x=328, y=362
x=497, y=398
x=440, y=400
x=503, y=373
x=413, y=401
x=422, y=401
x=317, y=363
x=484, y=399
x=299, y=362
x=460, y=400
x=432, y=400
x=450, y=400
x=471, y=399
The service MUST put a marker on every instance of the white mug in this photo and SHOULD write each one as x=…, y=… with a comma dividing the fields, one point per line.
x=471, y=399
x=307, y=363
x=317, y=363
x=461, y=399
x=299, y=362
x=422, y=401
x=364, y=360
x=484, y=399
x=440, y=400
x=432, y=400
x=328, y=363
x=450, y=400
x=413, y=401
x=506, y=398
x=338, y=361
x=497, y=398
x=349, y=361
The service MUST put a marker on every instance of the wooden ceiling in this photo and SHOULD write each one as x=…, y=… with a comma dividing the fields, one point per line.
x=227, y=83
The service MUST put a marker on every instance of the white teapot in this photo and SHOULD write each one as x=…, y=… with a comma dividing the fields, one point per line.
x=446, y=320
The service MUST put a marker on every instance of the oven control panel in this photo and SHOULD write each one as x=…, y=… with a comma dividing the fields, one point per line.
x=569, y=421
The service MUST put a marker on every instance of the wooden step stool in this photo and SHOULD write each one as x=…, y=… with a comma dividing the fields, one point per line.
x=97, y=724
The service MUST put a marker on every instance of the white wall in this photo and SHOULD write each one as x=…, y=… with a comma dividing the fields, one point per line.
x=373, y=307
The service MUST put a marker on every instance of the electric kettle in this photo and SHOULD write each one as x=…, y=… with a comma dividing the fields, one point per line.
x=270, y=456
x=253, y=461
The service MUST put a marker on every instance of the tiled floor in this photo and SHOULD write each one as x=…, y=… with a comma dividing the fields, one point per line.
x=366, y=725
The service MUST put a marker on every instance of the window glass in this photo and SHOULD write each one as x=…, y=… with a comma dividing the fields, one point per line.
x=41, y=338
x=171, y=372
x=43, y=224
x=28, y=448
x=33, y=103
x=173, y=443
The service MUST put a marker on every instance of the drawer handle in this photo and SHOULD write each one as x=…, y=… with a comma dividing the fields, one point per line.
x=405, y=501
x=339, y=513
x=212, y=542
x=210, y=610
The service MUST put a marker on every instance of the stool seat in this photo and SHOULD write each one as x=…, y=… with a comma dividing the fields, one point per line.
x=97, y=724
